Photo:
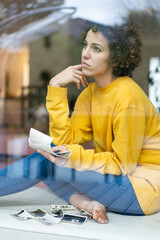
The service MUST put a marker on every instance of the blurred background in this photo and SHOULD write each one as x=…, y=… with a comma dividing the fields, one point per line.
x=39, y=38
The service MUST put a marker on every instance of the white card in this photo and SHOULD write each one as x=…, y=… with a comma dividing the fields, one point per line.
x=38, y=140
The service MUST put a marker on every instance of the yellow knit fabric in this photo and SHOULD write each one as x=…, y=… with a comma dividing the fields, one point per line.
x=125, y=128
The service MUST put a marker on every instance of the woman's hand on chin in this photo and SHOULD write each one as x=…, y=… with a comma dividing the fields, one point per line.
x=70, y=74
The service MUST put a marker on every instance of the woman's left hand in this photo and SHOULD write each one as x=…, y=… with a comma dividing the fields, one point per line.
x=57, y=160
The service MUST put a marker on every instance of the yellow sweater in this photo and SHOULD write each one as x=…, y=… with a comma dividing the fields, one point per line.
x=125, y=128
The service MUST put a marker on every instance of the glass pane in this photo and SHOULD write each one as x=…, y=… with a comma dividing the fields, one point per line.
x=113, y=145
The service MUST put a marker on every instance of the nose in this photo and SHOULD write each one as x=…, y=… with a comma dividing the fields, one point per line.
x=86, y=52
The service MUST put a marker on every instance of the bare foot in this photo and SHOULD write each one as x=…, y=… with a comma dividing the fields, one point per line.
x=97, y=210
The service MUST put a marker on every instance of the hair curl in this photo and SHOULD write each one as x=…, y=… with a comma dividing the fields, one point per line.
x=124, y=43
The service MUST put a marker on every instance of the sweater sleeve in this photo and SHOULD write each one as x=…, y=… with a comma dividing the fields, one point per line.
x=128, y=136
x=63, y=129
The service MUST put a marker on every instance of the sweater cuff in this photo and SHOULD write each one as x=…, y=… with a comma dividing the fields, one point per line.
x=56, y=93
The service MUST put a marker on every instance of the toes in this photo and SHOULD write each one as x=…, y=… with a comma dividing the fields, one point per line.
x=105, y=221
x=100, y=216
x=96, y=216
x=102, y=220
x=104, y=217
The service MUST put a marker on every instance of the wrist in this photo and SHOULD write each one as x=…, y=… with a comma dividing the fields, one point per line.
x=54, y=83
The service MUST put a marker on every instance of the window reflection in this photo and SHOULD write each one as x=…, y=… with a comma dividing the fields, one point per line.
x=26, y=71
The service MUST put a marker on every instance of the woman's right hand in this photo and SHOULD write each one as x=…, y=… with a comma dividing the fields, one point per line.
x=70, y=74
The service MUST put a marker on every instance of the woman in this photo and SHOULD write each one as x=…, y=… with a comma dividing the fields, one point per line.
x=118, y=116
x=121, y=173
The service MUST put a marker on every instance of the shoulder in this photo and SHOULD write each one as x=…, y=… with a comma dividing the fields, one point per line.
x=129, y=94
x=128, y=85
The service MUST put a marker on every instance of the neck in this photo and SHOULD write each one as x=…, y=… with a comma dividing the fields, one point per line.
x=103, y=81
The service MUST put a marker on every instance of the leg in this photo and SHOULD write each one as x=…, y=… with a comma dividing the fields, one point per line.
x=64, y=189
x=96, y=192
x=114, y=192
x=23, y=174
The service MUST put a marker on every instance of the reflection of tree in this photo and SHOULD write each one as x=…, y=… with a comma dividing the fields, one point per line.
x=148, y=18
x=150, y=6
x=10, y=8
x=149, y=24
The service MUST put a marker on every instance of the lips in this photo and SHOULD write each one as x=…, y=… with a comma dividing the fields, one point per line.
x=84, y=64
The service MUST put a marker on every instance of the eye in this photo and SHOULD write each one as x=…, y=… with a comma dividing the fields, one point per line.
x=97, y=49
x=84, y=44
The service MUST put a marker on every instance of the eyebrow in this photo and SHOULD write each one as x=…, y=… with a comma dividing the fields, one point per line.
x=95, y=44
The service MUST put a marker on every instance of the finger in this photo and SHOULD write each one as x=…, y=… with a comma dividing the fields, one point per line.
x=80, y=78
x=50, y=157
x=78, y=72
x=41, y=152
x=78, y=85
x=79, y=66
x=85, y=80
x=47, y=155
x=56, y=149
x=83, y=76
x=59, y=148
x=77, y=82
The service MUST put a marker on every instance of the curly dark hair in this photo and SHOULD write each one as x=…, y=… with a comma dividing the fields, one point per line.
x=125, y=45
